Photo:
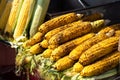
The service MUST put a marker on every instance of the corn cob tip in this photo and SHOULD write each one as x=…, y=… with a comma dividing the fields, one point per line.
x=77, y=67
x=110, y=33
x=63, y=63
x=98, y=23
x=80, y=15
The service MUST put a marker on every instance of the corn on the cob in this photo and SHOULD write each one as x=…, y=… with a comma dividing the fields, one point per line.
x=24, y=18
x=47, y=53
x=35, y=49
x=77, y=67
x=93, y=17
x=48, y=35
x=35, y=39
x=59, y=21
x=101, y=66
x=2, y=6
x=63, y=63
x=56, y=30
x=73, y=32
x=39, y=15
x=10, y=26
x=5, y=15
x=65, y=48
x=102, y=34
x=99, y=50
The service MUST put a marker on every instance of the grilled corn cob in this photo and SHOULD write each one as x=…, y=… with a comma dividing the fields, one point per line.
x=56, y=30
x=24, y=18
x=35, y=39
x=59, y=21
x=101, y=66
x=102, y=34
x=65, y=48
x=73, y=32
x=35, y=49
x=77, y=67
x=48, y=35
x=93, y=17
x=10, y=26
x=2, y=6
x=5, y=15
x=99, y=50
x=39, y=15
x=63, y=63
x=47, y=53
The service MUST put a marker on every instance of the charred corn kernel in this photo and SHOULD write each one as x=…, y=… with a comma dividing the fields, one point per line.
x=63, y=63
x=65, y=48
x=2, y=6
x=101, y=66
x=56, y=30
x=47, y=53
x=77, y=67
x=93, y=17
x=39, y=15
x=5, y=15
x=102, y=34
x=35, y=49
x=24, y=18
x=59, y=21
x=10, y=26
x=44, y=43
x=35, y=39
x=73, y=32
x=99, y=50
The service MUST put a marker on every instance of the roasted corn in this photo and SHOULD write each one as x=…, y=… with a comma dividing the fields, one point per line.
x=102, y=34
x=99, y=50
x=59, y=21
x=65, y=48
x=73, y=32
x=101, y=66
x=32, y=41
